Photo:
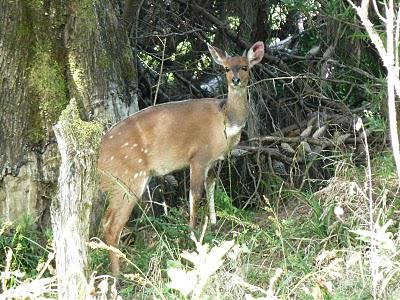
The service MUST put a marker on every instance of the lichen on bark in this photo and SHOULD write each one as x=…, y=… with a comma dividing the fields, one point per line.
x=49, y=95
x=40, y=31
x=100, y=61
x=85, y=136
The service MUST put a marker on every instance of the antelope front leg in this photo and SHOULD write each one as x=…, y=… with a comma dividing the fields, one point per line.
x=210, y=190
x=197, y=174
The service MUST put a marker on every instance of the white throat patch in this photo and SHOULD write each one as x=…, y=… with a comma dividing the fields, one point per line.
x=233, y=130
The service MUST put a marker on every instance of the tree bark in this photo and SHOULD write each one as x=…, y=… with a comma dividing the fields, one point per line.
x=78, y=142
x=51, y=51
x=101, y=73
x=13, y=85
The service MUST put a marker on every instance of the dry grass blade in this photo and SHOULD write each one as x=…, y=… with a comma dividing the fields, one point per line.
x=37, y=289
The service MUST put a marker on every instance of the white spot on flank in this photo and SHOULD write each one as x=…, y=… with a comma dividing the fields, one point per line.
x=126, y=156
x=124, y=145
x=140, y=160
x=145, y=151
x=111, y=136
x=134, y=145
x=112, y=157
x=136, y=175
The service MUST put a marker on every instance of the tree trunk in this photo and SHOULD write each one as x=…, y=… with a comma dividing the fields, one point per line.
x=78, y=143
x=101, y=72
x=13, y=85
x=32, y=93
x=51, y=51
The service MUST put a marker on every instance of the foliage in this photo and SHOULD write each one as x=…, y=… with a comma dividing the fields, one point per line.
x=26, y=256
x=29, y=245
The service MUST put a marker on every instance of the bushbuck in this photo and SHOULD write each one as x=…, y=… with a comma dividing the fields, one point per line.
x=168, y=137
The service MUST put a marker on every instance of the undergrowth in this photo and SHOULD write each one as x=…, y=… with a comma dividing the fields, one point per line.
x=340, y=242
x=26, y=261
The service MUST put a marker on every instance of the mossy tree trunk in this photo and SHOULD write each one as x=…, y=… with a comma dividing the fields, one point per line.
x=51, y=51
x=32, y=94
x=101, y=72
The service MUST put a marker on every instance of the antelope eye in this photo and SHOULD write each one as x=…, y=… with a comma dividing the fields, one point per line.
x=244, y=68
x=227, y=69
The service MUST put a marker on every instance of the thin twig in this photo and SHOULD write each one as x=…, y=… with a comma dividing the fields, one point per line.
x=161, y=70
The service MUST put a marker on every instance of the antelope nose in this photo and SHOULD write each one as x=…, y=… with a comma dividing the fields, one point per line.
x=236, y=80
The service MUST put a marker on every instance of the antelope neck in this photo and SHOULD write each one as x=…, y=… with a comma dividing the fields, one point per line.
x=237, y=106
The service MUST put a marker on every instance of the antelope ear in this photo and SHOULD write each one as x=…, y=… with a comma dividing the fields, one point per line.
x=217, y=54
x=256, y=53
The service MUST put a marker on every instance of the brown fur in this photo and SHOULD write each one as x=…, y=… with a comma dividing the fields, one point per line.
x=169, y=137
